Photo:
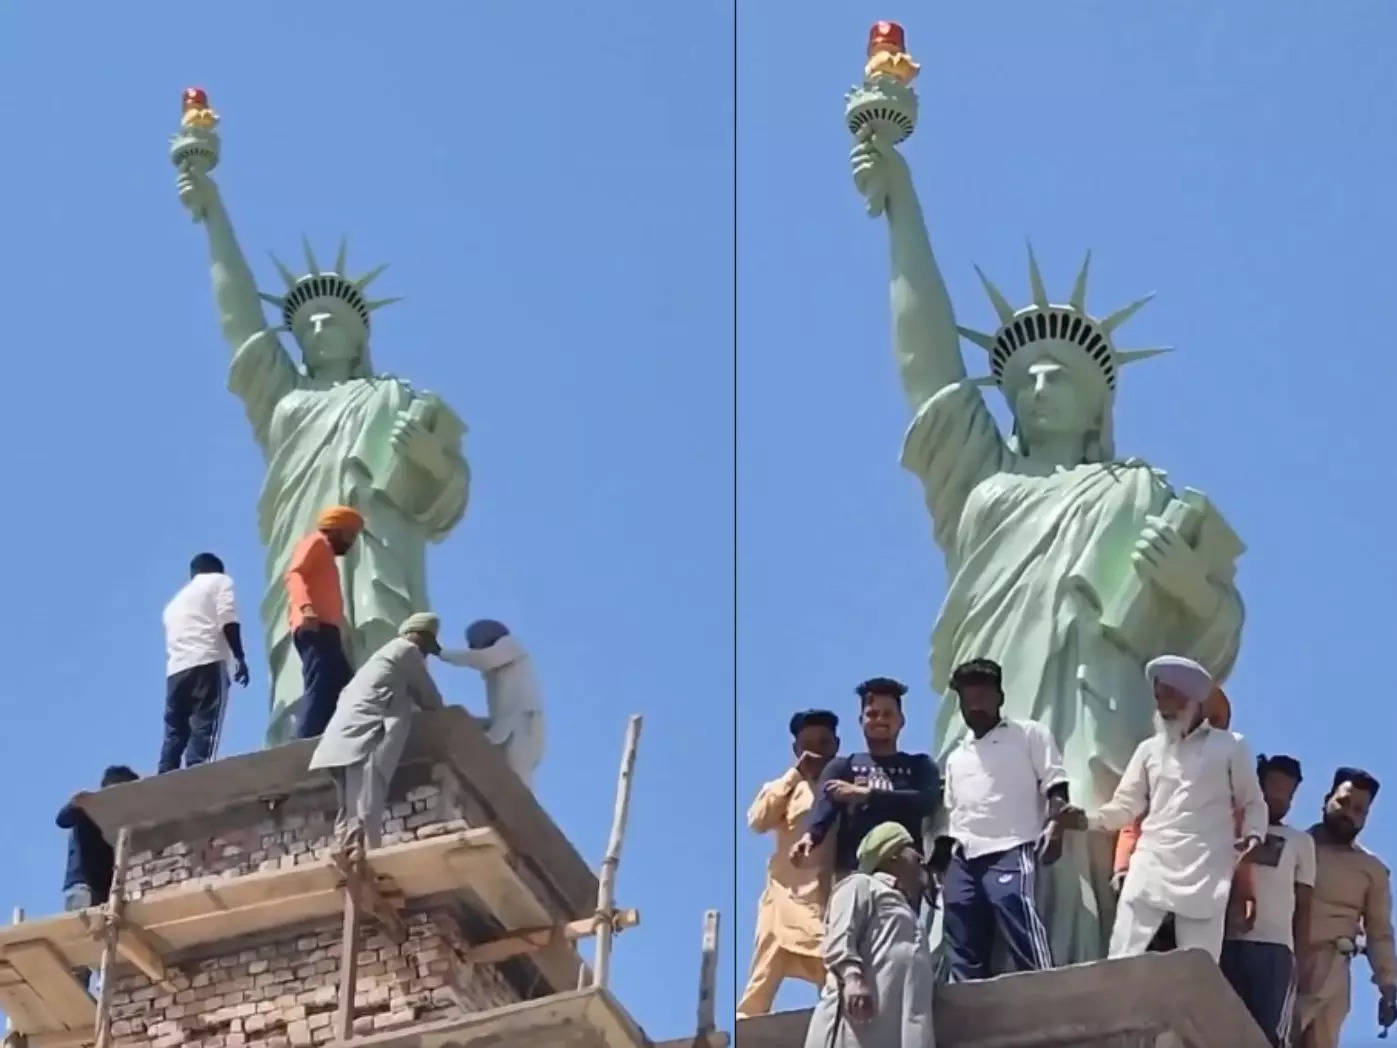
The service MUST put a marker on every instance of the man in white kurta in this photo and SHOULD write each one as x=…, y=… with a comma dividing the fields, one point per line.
x=511, y=693
x=364, y=740
x=1190, y=777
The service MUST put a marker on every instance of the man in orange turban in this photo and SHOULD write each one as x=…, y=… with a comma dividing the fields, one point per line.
x=317, y=614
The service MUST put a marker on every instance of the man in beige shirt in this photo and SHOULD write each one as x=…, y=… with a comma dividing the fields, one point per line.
x=1352, y=891
x=790, y=919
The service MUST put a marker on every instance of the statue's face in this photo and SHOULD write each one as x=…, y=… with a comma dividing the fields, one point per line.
x=1051, y=399
x=326, y=340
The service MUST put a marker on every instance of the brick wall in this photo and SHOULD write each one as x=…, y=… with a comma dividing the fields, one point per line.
x=280, y=988
x=423, y=802
x=281, y=992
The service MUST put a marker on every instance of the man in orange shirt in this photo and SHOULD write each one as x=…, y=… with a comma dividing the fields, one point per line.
x=317, y=613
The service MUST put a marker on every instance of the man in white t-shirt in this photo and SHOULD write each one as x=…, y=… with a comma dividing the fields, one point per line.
x=201, y=636
x=1005, y=794
x=1258, y=954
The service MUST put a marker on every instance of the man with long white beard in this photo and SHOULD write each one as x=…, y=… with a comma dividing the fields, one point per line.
x=1190, y=777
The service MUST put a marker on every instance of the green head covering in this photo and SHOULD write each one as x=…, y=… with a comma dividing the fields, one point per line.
x=881, y=843
x=422, y=622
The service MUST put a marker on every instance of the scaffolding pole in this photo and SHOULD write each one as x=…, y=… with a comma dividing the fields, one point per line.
x=349, y=960
x=708, y=979
x=111, y=924
x=15, y=918
x=606, y=883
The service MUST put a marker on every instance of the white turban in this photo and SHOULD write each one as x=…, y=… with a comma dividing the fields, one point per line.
x=1181, y=674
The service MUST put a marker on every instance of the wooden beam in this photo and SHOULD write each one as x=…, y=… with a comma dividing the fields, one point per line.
x=134, y=945
x=359, y=880
x=48, y=976
x=27, y=1009
x=63, y=1039
x=531, y=940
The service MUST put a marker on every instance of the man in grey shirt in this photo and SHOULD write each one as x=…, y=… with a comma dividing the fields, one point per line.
x=364, y=740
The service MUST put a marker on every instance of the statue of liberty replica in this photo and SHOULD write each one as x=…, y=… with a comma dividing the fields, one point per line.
x=332, y=431
x=1067, y=563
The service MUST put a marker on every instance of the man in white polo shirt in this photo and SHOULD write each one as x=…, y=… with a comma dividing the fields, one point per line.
x=1258, y=954
x=1006, y=792
x=201, y=635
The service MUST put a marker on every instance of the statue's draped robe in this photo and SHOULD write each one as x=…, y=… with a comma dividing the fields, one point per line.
x=329, y=444
x=1031, y=558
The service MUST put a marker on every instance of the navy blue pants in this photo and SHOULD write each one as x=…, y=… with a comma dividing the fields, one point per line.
x=987, y=894
x=194, y=702
x=1262, y=974
x=325, y=670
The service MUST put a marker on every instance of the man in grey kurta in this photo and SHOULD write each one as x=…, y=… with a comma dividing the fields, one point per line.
x=880, y=979
x=365, y=737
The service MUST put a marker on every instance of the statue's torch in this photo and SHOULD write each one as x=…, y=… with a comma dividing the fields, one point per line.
x=195, y=146
x=884, y=104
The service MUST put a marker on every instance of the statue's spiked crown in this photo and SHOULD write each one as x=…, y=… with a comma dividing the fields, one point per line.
x=1056, y=325
x=329, y=288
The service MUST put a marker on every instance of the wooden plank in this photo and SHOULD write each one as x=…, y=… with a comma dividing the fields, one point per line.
x=26, y=1010
x=63, y=1039
x=48, y=975
x=133, y=944
x=531, y=940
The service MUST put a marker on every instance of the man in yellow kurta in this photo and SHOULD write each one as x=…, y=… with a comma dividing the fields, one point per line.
x=790, y=920
x=1352, y=888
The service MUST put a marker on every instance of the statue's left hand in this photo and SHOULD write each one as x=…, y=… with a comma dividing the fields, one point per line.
x=1166, y=559
x=412, y=440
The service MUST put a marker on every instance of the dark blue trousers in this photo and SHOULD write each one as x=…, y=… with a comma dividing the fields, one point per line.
x=194, y=704
x=1262, y=974
x=325, y=669
x=987, y=894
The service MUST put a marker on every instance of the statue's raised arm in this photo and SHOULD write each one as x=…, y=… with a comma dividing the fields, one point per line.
x=332, y=430
x=925, y=340
x=882, y=112
x=240, y=314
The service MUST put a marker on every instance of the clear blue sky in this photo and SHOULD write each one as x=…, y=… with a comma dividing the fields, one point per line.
x=1237, y=158
x=553, y=188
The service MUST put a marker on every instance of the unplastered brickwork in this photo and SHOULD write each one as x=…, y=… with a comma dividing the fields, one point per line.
x=425, y=801
x=280, y=988
x=281, y=992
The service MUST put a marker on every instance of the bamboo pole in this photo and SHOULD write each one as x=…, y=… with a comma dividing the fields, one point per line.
x=708, y=977
x=606, y=883
x=111, y=922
